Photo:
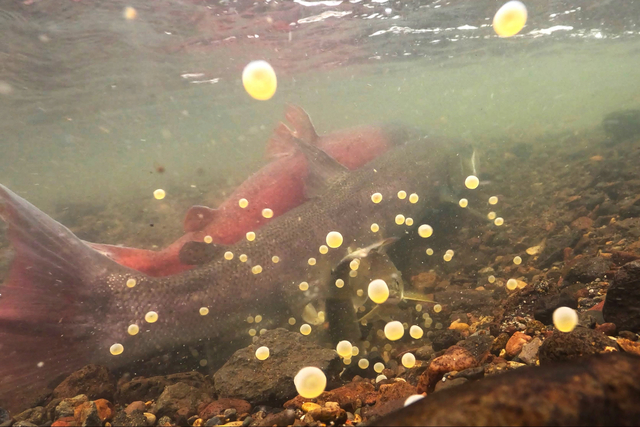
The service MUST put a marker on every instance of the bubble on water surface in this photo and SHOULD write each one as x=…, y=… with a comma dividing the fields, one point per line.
x=259, y=80
x=310, y=382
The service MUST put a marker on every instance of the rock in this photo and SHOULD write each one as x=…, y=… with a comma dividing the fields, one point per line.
x=443, y=385
x=629, y=346
x=628, y=335
x=151, y=418
x=396, y=390
x=219, y=406
x=516, y=342
x=135, y=419
x=424, y=353
x=582, y=223
x=37, y=416
x=66, y=407
x=470, y=374
x=529, y=353
x=179, y=401
x=350, y=396
x=310, y=406
x=96, y=382
x=284, y=418
x=607, y=329
x=4, y=416
x=546, y=305
x=602, y=390
x=215, y=421
x=499, y=343
x=271, y=381
x=589, y=269
x=164, y=421
x=145, y=389
x=87, y=415
x=554, y=248
x=330, y=413
x=454, y=359
x=24, y=424
x=577, y=343
x=622, y=305
x=138, y=405
x=442, y=340
x=64, y=422
x=479, y=345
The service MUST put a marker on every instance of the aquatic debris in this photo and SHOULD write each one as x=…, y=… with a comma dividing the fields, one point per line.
x=510, y=19
x=159, y=194
x=259, y=80
x=310, y=382
x=565, y=319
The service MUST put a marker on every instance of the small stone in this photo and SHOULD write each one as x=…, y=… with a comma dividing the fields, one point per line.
x=164, y=421
x=607, y=329
x=571, y=345
x=424, y=353
x=628, y=335
x=135, y=419
x=515, y=343
x=443, y=385
x=310, y=406
x=454, y=359
x=231, y=414
x=588, y=269
x=37, y=416
x=629, y=346
x=138, y=405
x=179, y=401
x=66, y=407
x=442, y=340
x=529, y=353
x=215, y=421
x=64, y=422
x=499, y=343
x=87, y=414
x=151, y=418
x=219, y=406
x=247, y=422
x=96, y=382
x=5, y=418
x=471, y=374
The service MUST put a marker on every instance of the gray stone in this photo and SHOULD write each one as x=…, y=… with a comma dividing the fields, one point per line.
x=179, y=401
x=37, y=415
x=271, y=381
x=529, y=353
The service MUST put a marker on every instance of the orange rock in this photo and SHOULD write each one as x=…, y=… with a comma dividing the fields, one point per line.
x=397, y=390
x=454, y=359
x=64, y=422
x=350, y=396
x=629, y=346
x=105, y=409
x=582, y=223
x=515, y=343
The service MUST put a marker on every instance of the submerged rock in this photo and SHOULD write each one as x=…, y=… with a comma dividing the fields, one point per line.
x=454, y=359
x=572, y=345
x=96, y=382
x=271, y=380
x=145, y=389
x=601, y=390
x=589, y=269
x=180, y=401
x=622, y=305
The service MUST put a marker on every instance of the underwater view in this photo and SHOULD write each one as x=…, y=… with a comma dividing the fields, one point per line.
x=310, y=213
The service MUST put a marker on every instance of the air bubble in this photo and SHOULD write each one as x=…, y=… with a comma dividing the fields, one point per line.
x=409, y=222
x=437, y=308
x=498, y=221
x=517, y=260
x=354, y=264
x=256, y=269
x=491, y=216
x=493, y=200
x=344, y=349
x=259, y=80
x=429, y=251
x=310, y=382
x=363, y=363
x=258, y=318
x=378, y=367
x=425, y=231
x=275, y=259
x=303, y=286
x=311, y=261
x=565, y=319
x=378, y=291
x=251, y=236
x=262, y=353
x=208, y=239
x=512, y=284
x=133, y=329
x=334, y=239
x=408, y=360
x=243, y=258
x=393, y=330
x=131, y=283
x=228, y=256
x=375, y=227
x=292, y=321
x=323, y=249
x=339, y=283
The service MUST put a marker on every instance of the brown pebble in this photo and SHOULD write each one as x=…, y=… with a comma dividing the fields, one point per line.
x=515, y=343
x=455, y=358
x=133, y=406
x=309, y=406
x=607, y=328
x=629, y=346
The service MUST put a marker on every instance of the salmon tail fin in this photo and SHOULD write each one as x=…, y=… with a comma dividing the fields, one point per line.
x=281, y=142
x=301, y=123
x=49, y=303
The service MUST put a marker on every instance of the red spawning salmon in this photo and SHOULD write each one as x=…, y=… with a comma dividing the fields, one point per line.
x=278, y=186
x=65, y=305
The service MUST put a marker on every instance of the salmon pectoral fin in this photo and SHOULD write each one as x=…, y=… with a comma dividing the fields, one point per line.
x=301, y=123
x=198, y=217
x=51, y=302
x=198, y=253
x=282, y=142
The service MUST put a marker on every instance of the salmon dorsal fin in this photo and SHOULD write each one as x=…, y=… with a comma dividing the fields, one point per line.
x=324, y=170
x=281, y=142
x=198, y=217
x=198, y=253
x=301, y=123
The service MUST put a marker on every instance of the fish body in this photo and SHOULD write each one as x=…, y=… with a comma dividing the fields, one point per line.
x=278, y=186
x=65, y=305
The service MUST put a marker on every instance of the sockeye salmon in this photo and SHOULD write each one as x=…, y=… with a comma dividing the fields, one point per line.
x=278, y=186
x=64, y=304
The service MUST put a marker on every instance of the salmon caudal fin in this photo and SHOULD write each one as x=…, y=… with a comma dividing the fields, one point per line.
x=49, y=302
